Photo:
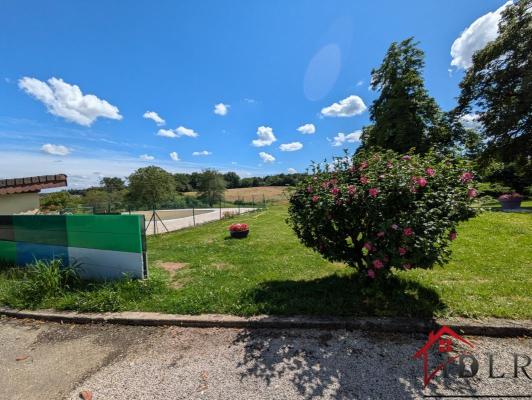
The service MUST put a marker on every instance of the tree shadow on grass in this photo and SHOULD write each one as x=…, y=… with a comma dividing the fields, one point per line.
x=337, y=295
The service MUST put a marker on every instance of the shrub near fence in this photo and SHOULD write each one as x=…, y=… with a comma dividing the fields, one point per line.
x=100, y=246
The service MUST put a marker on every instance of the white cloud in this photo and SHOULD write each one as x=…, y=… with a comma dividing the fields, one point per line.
x=221, y=109
x=174, y=156
x=266, y=137
x=55, y=149
x=475, y=37
x=67, y=101
x=266, y=157
x=291, y=171
x=360, y=83
x=294, y=146
x=154, y=117
x=178, y=132
x=341, y=138
x=307, y=129
x=146, y=157
x=250, y=101
x=348, y=107
x=202, y=153
x=470, y=121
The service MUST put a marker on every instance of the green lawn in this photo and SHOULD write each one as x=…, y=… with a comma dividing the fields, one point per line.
x=270, y=272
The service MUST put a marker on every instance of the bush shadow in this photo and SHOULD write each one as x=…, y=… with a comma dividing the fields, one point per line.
x=346, y=295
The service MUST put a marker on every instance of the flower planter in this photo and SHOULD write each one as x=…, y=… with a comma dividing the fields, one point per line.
x=510, y=201
x=510, y=204
x=239, y=234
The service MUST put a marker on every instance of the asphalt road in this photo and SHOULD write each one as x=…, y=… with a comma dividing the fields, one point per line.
x=41, y=360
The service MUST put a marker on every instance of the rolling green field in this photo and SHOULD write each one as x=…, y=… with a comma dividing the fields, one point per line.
x=202, y=270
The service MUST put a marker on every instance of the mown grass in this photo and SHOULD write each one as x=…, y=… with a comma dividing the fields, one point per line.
x=270, y=272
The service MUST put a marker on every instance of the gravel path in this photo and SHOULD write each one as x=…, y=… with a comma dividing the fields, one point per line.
x=119, y=362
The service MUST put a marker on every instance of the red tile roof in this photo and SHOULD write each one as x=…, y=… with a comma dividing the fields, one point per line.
x=31, y=184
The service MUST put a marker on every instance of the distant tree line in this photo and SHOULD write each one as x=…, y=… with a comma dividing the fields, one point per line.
x=154, y=187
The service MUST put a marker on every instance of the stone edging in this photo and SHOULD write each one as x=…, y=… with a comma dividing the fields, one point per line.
x=488, y=327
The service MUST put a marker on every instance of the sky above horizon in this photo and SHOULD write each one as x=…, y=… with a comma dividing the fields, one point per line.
x=94, y=89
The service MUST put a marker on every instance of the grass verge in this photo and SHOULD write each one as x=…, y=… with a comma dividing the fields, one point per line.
x=201, y=270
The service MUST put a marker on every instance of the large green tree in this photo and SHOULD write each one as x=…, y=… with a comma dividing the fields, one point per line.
x=211, y=186
x=404, y=116
x=151, y=186
x=498, y=86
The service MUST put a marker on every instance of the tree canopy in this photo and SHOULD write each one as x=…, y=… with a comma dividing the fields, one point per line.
x=404, y=116
x=151, y=186
x=211, y=186
x=498, y=86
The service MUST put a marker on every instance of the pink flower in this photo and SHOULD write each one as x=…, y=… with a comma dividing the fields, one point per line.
x=389, y=165
x=363, y=165
x=407, y=157
x=380, y=234
x=364, y=180
x=430, y=172
x=373, y=192
x=471, y=193
x=315, y=178
x=453, y=235
x=351, y=190
x=402, y=251
x=466, y=177
x=371, y=273
x=377, y=264
x=421, y=182
x=368, y=246
x=381, y=177
x=407, y=266
x=395, y=227
x=309, y=189
x=315, y=199
x=339, y=202
x=408, y=231
x=335, y=191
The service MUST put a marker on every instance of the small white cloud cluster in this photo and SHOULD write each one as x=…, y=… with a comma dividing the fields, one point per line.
x=348, y=107
x=266, y=137
x=307, y=129
x=291, y=171
x=202, y=153
x=178, y=132
x=55, y=149
x=146, y=157
x=294, y=146
x=154, y=117
x=221, y=109
x=475, y=37
x=67, y=101
x=174, y=156
x=341, y=138
x=266, y=157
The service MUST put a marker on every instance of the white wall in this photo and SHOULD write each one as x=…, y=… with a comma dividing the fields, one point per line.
x=18, y=203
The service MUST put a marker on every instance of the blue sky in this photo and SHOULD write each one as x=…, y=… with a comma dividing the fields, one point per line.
x=278, y=65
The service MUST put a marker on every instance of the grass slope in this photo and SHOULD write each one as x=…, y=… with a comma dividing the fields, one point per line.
x=270, y=272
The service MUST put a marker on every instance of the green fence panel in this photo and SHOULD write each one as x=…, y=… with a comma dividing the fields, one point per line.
x=105, y=232
x=41, y=229
x=8, y=251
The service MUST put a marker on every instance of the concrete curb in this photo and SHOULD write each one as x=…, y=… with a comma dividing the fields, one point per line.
x=493, y=327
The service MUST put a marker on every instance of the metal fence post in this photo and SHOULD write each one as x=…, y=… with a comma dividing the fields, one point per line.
x=220, y=208
x=193, y=216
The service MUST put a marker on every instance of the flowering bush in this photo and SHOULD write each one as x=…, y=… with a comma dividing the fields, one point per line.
x=238, y=228
x=510, y=196
x=375, y=211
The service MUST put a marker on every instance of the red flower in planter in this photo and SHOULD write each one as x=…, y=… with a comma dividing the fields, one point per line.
x=510, y=196
x=239, y=227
